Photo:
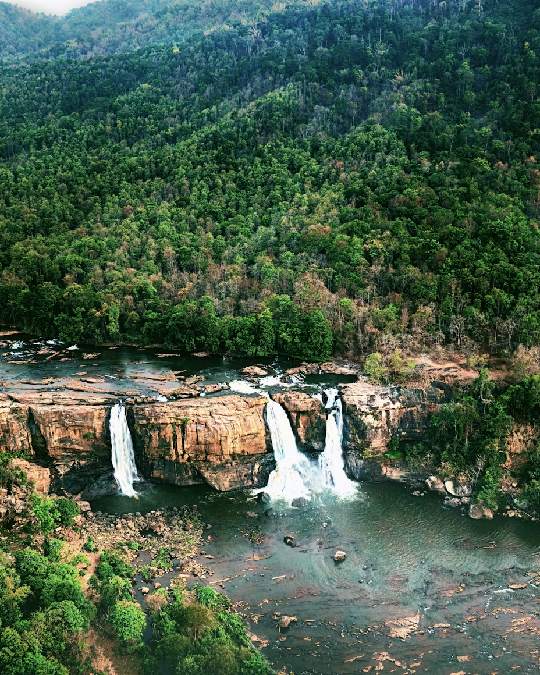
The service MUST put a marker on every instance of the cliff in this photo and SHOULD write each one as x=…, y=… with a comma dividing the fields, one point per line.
x=220, y=440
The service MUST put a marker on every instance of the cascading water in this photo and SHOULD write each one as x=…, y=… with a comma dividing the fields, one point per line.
x=331, y=463
x=293, y=475
x=123, y=457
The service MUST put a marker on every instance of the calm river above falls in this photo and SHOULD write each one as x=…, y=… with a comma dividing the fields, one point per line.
x=423, y=588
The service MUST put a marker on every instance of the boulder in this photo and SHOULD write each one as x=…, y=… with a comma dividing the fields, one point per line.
x=299, y=502
x=435, y=484
x=458, y=488
x=285, y=621
x=339, y=556
x=254, y=371
x=478, y=511
x=289, y=540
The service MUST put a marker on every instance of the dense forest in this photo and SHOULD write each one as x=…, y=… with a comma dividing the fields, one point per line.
x=304, y=179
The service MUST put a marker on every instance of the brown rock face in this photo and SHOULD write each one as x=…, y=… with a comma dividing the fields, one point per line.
x=14, y=430
x=307, y=418
x=39, y=476
x=374, y=413
x=70, y=431
x=221, y=441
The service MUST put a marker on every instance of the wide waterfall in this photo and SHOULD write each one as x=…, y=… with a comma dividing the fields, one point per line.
x=123, y=457
x=293, y=476
x=331, y=462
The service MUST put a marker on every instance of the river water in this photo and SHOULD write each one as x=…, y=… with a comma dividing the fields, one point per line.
x=423, y=588
x=411, y=563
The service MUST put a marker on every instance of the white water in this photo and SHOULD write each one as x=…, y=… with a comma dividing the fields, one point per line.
x=123, y=457
x=293, y=476
x=331, y=462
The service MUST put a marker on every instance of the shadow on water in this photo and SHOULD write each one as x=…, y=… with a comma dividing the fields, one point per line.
x=406, y=557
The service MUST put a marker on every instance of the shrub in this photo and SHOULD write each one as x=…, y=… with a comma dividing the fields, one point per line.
x=128, y=622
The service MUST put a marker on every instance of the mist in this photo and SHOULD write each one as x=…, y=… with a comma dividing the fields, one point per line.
x=51, y=6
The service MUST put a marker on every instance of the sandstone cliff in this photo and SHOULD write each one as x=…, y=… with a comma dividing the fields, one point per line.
x=307, y=416
x=373, y=414
x=220, y=440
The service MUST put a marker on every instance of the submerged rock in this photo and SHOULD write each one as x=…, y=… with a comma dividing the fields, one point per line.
x=299, y=502
x=285, y=621
x=289, y=540
x=339, y=556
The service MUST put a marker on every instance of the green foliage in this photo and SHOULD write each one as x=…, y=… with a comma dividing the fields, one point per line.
x=111, y=564
x=10, y=476
x=375, y=369
x=128, y=622
x=51, y=512
x=201, y=637
x=43, y=614
x=338, y=177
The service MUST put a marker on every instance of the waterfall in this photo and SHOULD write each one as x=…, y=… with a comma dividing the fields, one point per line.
x=293, y=474
x=123, y=457
x=331, y=462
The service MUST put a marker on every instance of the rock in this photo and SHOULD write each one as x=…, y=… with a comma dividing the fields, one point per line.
x=299, y=502
x=458, y=488
x=454, y=502
x=373, y=414
x=517, y=586
x=145, y=590
x=333, y=368
x=254, y=371
x=221, y=441
x=404, y=627
x=478, y=511
x=307, y=416
x=289, y=540
x=285, y=621
x=435, y=484
x=339, y=556
x=39, y=476
x=264, y=498
x=84, y=506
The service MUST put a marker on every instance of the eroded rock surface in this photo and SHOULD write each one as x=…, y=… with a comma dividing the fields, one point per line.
x=375, y=413
x=307, y=416
x=219, y=440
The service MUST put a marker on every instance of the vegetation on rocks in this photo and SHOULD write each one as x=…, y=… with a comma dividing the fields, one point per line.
x=47, y=607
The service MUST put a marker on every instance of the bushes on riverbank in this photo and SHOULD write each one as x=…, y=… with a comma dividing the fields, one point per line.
x=46, y=610
x=469, y=436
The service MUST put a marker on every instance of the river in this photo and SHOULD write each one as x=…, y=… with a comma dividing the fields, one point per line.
x=423, y=588
x=408, y=557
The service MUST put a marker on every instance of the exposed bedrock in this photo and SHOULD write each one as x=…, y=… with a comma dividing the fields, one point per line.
x=373, y=414
x=307, y=417
x=221, y=441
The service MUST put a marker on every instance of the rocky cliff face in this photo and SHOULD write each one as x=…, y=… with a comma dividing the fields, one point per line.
x=307, y=417
x=221, y=441
x=373, y=414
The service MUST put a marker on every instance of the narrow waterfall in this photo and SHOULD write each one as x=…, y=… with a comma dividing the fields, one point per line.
x=123, y=457
x=292, y=476
x=331, y=462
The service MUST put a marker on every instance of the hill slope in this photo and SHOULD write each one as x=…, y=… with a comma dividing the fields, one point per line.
x=347, y=177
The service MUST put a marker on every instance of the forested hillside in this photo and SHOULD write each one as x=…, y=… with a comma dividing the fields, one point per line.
x=342, y=177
